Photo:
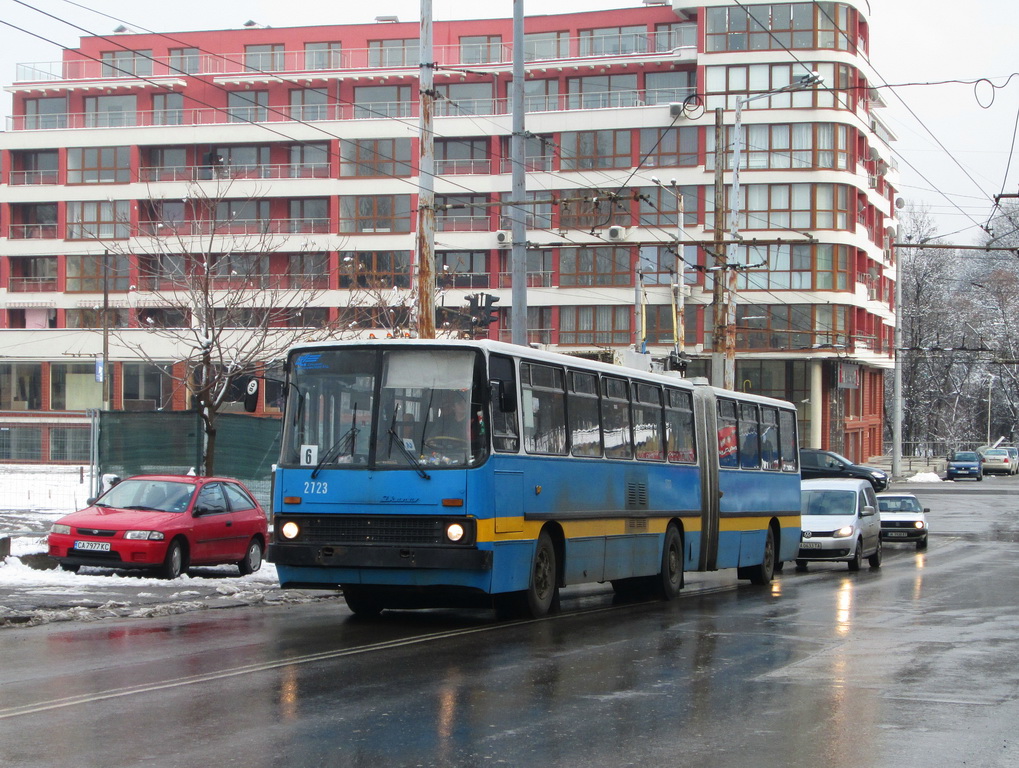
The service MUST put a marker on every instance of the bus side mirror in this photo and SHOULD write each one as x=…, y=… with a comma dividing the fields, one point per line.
x=504, y=396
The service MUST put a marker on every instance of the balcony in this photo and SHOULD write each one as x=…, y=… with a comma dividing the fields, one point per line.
x=33, y=232
x=663, y=44
x=303, y=225
x=34, y=178
x=17, y=284
x=230, y=171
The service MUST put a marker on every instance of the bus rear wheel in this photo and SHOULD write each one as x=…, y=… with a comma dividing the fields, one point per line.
x=671, y=578
x=763, y=573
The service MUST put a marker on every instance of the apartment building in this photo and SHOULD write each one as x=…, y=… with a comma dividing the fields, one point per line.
x=283, y=162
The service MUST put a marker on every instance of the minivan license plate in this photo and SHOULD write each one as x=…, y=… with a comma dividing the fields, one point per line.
x=810, y=545
x=93, y=546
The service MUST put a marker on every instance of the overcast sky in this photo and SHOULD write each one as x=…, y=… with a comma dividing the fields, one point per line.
x=954, y=139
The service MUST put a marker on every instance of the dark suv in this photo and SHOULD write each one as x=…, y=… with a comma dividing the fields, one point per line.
x=815, y=463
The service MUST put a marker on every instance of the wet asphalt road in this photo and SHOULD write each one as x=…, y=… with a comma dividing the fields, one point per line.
x=912, y=664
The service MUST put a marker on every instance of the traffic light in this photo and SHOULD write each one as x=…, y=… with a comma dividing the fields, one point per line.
x=488, y=312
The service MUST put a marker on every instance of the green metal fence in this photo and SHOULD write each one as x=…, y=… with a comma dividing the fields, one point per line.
x=134, y=443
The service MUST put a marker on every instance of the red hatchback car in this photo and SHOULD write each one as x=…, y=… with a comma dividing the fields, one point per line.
x=164, y=522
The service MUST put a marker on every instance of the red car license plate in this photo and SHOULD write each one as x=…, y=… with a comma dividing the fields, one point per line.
x=93, y=546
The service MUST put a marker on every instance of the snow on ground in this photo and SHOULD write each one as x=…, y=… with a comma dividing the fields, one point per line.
x=32, y=497
x=924, y=477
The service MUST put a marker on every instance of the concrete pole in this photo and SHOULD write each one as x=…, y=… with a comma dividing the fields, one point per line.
x=897, y=380
x=518, y=229
x=718, y=275
x=426, y=182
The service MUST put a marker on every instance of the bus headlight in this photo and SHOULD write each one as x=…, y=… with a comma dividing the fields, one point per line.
x=290, y=530
x=454, y=532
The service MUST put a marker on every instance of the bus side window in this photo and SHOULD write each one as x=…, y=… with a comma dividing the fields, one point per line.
x=749, y=437
x=788, y=442
x=770, y=456
x=728, y=442
x=543, y=409
x=505, y=431
x=582, y=406
x=615, y=419
x=679, y=427
x=647, y=423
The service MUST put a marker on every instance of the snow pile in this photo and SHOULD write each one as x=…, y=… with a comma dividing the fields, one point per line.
x=924, y=477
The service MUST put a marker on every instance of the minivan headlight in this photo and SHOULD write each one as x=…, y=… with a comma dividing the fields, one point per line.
x=843, y=533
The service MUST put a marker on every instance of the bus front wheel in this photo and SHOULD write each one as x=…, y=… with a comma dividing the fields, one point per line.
x=542, y=588
x=362, y=601
x=671, y=578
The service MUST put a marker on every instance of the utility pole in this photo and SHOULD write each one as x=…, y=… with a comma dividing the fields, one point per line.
x=106, y=330
x=897, y=379
x=518, y=228
x=718, y=309
x=426, y=182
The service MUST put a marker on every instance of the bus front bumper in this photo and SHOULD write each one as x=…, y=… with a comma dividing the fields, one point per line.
x=353, y=556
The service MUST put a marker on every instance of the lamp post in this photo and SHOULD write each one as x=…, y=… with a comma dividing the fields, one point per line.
x=729, y=368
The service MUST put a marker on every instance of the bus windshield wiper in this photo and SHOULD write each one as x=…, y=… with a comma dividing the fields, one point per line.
x=395, y=438
x=337, y=448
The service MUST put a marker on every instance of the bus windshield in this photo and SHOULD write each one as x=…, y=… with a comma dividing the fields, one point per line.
x=399, y=408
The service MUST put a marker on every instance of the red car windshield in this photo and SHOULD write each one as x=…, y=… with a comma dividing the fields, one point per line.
x=156, y=495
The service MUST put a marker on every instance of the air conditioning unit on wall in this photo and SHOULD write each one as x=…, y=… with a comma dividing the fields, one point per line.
x=503, y=238
x=617, y=232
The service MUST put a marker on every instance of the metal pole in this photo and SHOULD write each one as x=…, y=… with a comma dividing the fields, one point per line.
x=718, y=276
x=426, y=182
x=106, y=330
x=897, y=380
x=729, y=374
x=679, y=310
x=518, y=229
x=990, y=381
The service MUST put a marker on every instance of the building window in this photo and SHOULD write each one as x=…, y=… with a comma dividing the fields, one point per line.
x=539, y=272
x=165, y=164
x=309, y=104
x=30, y=274
x=242, y=217
x=587, y=150
x=383, y=101
x=541, y=95
x=784, y=327
x=111, y=111
x=91, y=272
x=21, y=386
x=163, y=217
x=70, y=444
x=660, y=327
x=308, y=270
x=264, y=58
x=46, y=113
x=35, y=167
x=375, y=270
x=458, y=156
x=31, y=221
x=600, y=210
x=785, y=145
x=601, y=91
x=461, y=269
x=819, y=267
x=594, y=325
x=93, y=318
x=660, y=207
x=659, y=264
x=375, y=157
x=668, y=87
x=103, y=220
x=669, y=147
x=319, y=56
x=309, y=215
x=537, y=212
x=481, y=49
x=309, y=161
x=465, y=99
x=785, y=26
x=375, y=213
x=539, y=152
x=676, y=34
x=167, y=108
x=247, y=106
x=126, y=63
x=795, y=206
x=726, y=85
x=595, y=266
x=465, y=213
x=544, y=46
x=612, y=41
x=186, y=61
x=98, y=165
x=393, y=53
x=239, y=161
x=146, y=387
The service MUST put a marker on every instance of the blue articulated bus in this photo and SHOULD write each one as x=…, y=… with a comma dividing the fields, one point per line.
x=421, y=473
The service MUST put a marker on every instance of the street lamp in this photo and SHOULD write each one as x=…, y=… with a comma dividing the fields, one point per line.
x=807, y=81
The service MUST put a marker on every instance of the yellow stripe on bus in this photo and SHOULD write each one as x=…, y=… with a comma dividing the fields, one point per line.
x=622, y=526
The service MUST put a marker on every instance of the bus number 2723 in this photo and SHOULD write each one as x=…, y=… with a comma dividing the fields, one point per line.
x=316, y=488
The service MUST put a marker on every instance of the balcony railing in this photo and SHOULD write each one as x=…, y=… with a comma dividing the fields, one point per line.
x=534, y=279
x=26, y=178
x=364, y=111
x=302, y=225
x=456, y=167
x=31, y=284
x=232, y=171
x=398, y=57
x=33, y=231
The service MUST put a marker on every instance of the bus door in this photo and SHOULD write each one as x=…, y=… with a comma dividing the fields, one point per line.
x=707, y=452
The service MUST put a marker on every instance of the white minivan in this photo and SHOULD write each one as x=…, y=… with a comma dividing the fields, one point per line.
x=840, y=522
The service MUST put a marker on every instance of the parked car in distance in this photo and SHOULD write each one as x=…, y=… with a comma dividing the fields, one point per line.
x=815, y=463
x=998, y=461
x=166, y=523
x=1013, y=454
x=964, y=464
x=903, y=518
x=840, y=521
